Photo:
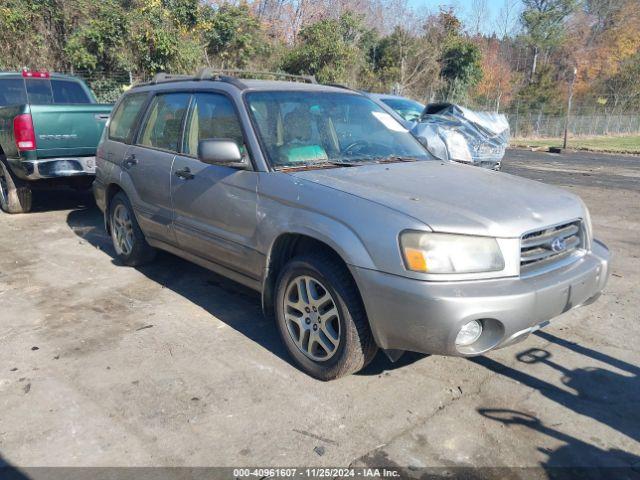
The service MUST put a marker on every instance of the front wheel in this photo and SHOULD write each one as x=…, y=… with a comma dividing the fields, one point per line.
x=128, y=240
x=15, y=194
x=321, y=318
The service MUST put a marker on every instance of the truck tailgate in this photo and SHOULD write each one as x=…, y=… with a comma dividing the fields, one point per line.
x=68, y=130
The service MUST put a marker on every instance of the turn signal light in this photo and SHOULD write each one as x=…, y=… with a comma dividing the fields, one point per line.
x=415, y=259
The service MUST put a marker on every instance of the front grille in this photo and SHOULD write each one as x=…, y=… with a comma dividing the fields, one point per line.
x=546, y=247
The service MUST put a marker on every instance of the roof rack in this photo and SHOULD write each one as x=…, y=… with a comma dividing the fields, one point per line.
x=166, y=77
x=344, y=87
x=207, y=73
x=219, y=75
x=225, y=75
x=163, y=78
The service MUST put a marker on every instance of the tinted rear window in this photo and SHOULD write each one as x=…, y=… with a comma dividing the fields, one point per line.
x=12, y=92
x=123, y=119
x=65, y=91
x=45, y=92
x=39, y=91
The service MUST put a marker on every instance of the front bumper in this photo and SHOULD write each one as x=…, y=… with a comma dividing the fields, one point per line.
x=54, y=168
x=408, y=314
x=490, y=164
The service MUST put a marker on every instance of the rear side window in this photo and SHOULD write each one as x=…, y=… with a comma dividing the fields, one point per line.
x=39, y=91
x=65, y=91
x=164, y=122
x=12, y=92
x=123, y=119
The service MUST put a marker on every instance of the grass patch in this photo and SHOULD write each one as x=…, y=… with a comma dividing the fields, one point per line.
x=614, y=144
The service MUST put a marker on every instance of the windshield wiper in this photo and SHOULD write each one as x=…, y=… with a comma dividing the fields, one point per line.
x=323, y=164
x=387, y=159
x=395, y=159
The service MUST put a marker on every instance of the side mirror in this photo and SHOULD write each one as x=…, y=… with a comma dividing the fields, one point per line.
x=221, y=151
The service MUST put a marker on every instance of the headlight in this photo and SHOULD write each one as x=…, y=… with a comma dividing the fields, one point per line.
x=436, y=147
x=588, y=225
x=448, y=253
x=457, y=145
x=428, y=135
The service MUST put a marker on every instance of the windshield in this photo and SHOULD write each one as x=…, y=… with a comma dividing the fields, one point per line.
x=407, y=109
x=298, y=129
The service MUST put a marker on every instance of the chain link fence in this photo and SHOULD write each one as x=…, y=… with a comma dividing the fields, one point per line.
x=580, y=123
x=108, y=87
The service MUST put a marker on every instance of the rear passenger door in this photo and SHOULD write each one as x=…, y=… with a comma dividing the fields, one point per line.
x=122, y=126
x=214, y=205
x=148, y=164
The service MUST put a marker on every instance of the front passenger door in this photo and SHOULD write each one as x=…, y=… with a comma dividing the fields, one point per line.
x=214, y=205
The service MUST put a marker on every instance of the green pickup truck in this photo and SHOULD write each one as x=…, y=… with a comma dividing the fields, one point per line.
x=50, y=126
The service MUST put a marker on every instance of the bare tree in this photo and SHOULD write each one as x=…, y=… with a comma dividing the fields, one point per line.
x=477, y=18
x=506, y=23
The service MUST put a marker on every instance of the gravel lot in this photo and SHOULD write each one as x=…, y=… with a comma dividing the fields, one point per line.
x=103, y=365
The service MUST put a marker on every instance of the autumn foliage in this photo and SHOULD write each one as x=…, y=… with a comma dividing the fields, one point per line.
x=525, y=61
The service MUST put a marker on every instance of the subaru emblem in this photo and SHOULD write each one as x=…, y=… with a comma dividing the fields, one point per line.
x=558, y=244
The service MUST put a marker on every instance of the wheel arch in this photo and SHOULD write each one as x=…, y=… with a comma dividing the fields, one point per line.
x=290, y=245
x=110, y=191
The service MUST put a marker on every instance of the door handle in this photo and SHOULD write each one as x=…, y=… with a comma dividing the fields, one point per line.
x=185, y=173
x=130, y=161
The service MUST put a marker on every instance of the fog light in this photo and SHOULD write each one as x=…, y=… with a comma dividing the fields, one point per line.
x=469, y=333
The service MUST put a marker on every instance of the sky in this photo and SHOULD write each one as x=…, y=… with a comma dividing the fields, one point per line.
x=465, y=7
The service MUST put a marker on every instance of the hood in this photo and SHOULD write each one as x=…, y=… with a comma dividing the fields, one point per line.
x=455, y=198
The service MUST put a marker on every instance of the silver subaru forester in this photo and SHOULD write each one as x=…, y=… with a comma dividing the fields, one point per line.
x=354, y=235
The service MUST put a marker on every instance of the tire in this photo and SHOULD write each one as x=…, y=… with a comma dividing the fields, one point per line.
x=15, y=193
x=128, y=240
x=348, y=324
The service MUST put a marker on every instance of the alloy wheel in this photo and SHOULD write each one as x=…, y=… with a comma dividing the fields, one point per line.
x=311, y=317
x=122, y=230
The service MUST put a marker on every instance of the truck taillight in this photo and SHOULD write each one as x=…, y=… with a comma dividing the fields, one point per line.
x=23, y=132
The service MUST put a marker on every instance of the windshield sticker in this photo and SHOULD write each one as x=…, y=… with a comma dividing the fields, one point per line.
x=389, y=122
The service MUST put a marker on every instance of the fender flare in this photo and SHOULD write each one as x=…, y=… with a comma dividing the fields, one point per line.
x=335, y=235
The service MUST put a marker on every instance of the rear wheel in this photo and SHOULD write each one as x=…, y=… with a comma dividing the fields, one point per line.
x=15, y=194
x=321, y=318
x=128, y=240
